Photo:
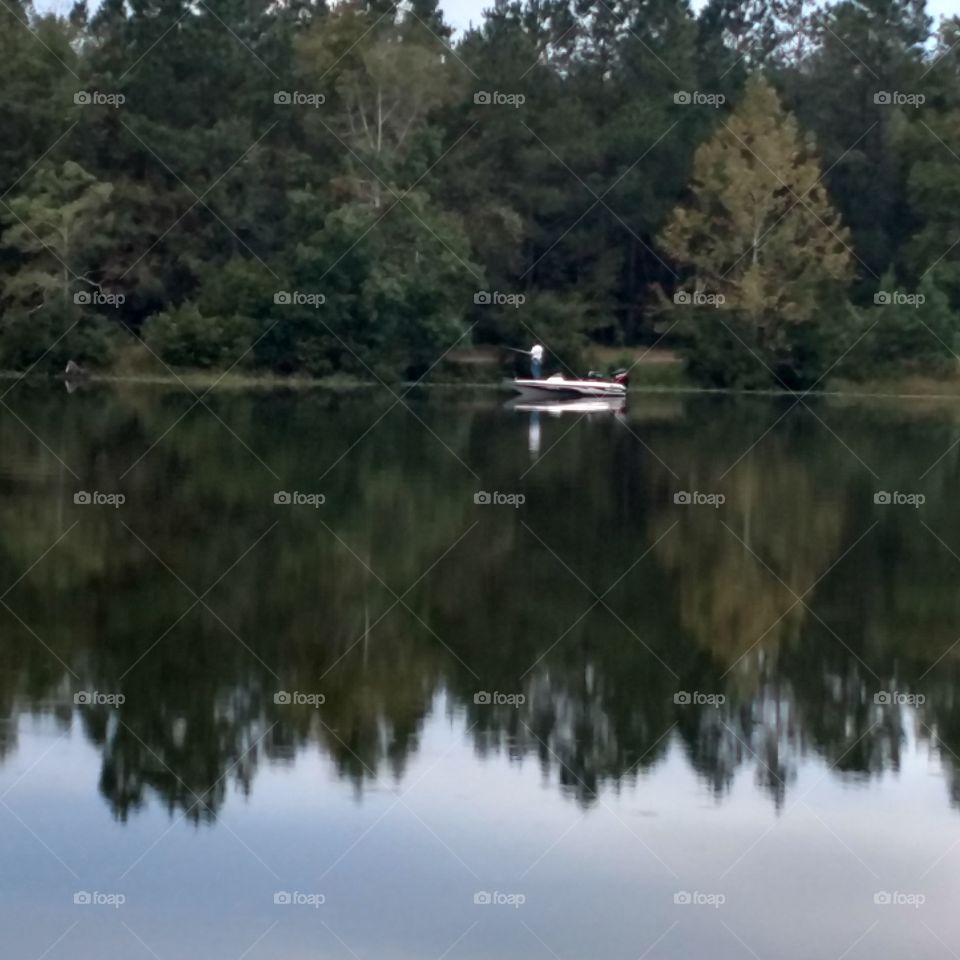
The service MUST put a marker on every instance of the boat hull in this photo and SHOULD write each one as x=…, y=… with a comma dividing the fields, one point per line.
x=559, y=388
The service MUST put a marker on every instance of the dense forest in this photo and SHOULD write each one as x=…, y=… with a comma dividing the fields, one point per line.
x=768, y=186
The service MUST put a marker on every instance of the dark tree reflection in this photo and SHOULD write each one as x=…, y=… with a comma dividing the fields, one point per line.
x=587, y=611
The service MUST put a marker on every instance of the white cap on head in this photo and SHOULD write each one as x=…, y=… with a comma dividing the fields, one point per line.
x=537, y=352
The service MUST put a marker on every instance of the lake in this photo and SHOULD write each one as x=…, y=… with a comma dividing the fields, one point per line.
x=289, y=675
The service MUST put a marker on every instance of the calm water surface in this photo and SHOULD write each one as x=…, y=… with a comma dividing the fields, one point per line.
x=599, y=723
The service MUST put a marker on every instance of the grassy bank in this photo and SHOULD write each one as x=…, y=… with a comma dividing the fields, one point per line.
x=907, y=386
x=650, y=370
x=203, y=380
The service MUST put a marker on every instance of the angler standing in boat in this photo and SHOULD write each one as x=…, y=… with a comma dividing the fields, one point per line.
x=536, y=360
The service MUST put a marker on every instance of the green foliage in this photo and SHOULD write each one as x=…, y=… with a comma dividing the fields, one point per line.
x=558, y=323
x=54, y=306
x=45, y=340
x=717, y=354
x=184, y=337
x=198, y=160
x=391, y=307
x=933, y=191
x=907, y=331
x=857, y=51
x=766, y=249
x=55, y=227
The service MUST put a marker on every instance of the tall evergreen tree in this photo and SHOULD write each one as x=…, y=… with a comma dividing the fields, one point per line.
x=766, y=250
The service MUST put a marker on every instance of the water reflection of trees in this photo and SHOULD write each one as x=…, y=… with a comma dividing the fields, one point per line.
x=511, y=607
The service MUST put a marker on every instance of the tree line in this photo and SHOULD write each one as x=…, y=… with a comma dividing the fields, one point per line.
x=766, y=185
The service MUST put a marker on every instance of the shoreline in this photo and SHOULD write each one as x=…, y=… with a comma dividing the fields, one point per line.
x=217, y=380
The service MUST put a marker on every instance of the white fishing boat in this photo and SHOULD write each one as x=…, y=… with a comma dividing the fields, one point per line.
x=559, y=387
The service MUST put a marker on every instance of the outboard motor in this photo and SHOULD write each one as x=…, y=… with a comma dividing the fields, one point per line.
x=622, y=376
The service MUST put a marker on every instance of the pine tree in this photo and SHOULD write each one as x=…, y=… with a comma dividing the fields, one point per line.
x=764, y=245
x=54, y=225
x=56, y=229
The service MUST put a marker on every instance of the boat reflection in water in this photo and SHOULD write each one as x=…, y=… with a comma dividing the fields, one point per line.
x=573, y=405
x=585, y=406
